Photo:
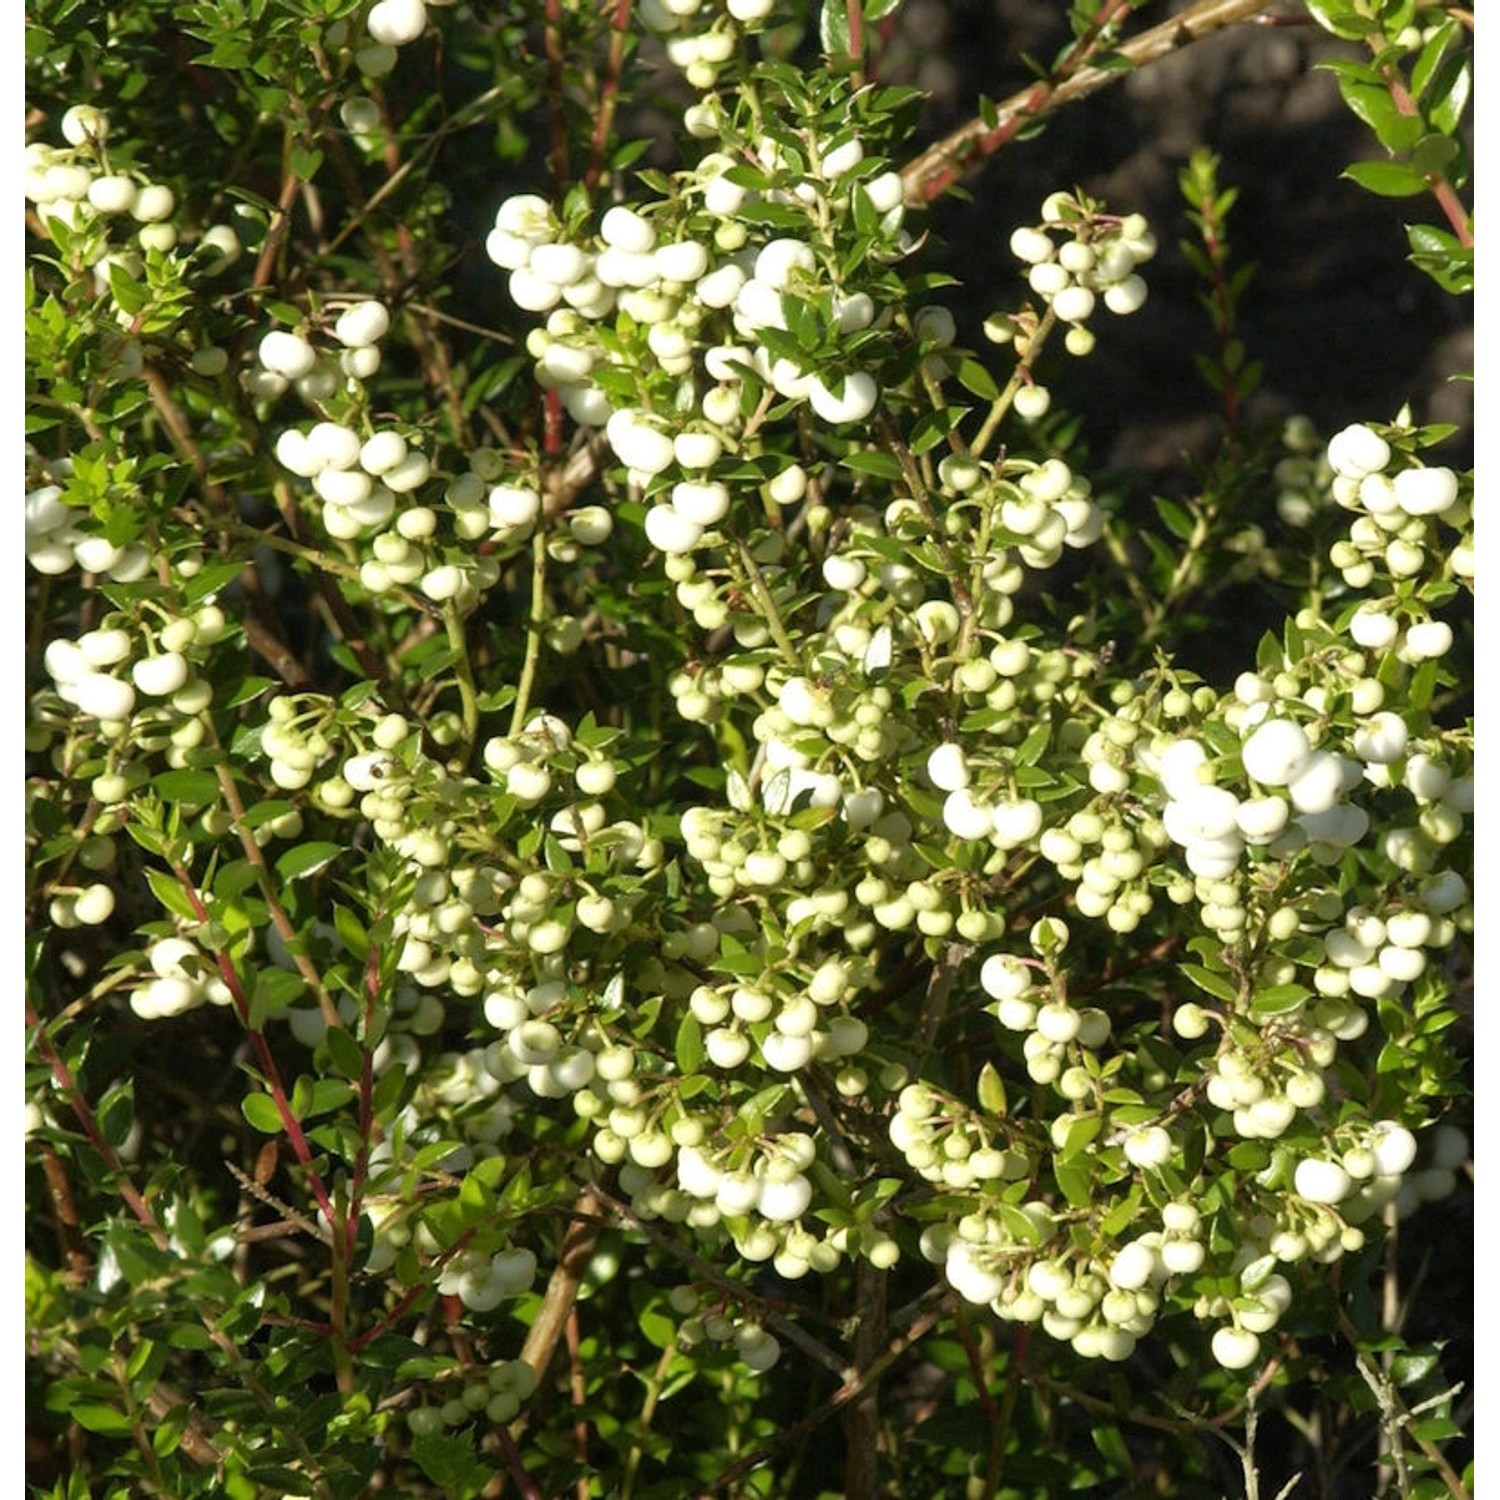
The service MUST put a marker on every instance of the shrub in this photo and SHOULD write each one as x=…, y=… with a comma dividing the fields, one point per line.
x=637, y=884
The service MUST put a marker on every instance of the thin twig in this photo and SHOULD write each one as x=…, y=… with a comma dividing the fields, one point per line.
x=936, y=170
x=846, y=1393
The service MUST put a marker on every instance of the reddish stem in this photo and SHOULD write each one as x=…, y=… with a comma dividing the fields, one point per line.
x=856, y=16
x=609, y=93
x=281, y=222
x=552, y=424
x=976, y=1370
x=1211, y=229
x=271, y=1074
x=366, y=1104
x=517, y=1469
x=1443, y=192
x=553, y=42
x=90, y=1127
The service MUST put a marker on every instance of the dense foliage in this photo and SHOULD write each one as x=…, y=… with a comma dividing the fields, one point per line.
x=637, y=884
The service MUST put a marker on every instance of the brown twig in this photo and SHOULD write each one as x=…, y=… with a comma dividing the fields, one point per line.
x=556, y=120
x=262, y=633
x=290, y=1218
x=936, y=170
x=291, y=185
x=786, y=1327
x=562, y=1288
x=196, y=1440
x=69, y=1230
x=856, y=1383
x=578, y=1394
x=862, y=1420
x=270, y=1073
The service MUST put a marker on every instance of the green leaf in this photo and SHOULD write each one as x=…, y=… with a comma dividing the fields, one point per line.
x=211, y=578
x=1268, y=654
x=193, y=787
x=267, y=812
x=1122, y=1214
x=689, y=1045
x=659, y=1326
x=1433, y=154
x=1451, y=89
x=306, y=162
x=273, y=990
x=350, y=932
x=1075, y=1182
x=1386, y=179
x=116, y=1113
x=1342, y=19
x=1423, y=682
x=1371, y=101
x=874, y=462
x=1436, y=1429
x=936, y=427
x=167, y=1437
x=306, y=859
x=450, y=1464
x=1278, y=999
x=977, y=380
x=95, y=1417
x=1434, y=49
x=138, y=1259
x=251, y=687
x=1248, y=1157
x=327, y=1095
x=146, y=1362
x=1440, y=256
x=1082, y=1131
x=1020, y=1226
x=344, y=1052
x=991, y=1091
x=234, y=879
x=1407, y=1369
x=1174, y=516
x=169, y=891
x=1217, y=985
x=189, y=1336
x=126, y=290
x=1034, y=746
x=260, y=1110
x=1112, y=1448
x=1392, y=1058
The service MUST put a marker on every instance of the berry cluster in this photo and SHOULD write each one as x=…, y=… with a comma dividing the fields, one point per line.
x=505, y=1388
x=668, y=291
x=705, y=1320
x=1076, y=257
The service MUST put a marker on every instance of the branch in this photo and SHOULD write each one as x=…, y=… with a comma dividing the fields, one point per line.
x=562, y=1289
x=1443, y=192
x=68, y=1086
x=936, y=170
x=857, y=1382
